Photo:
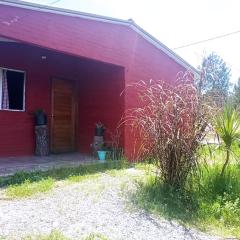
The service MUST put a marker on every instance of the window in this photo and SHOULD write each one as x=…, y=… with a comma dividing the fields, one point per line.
x=12, y=89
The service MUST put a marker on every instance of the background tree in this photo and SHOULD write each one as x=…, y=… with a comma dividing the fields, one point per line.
x=235, y=97
x=216, y=75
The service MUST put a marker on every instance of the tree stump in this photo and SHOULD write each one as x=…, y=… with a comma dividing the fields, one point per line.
x=42, y=140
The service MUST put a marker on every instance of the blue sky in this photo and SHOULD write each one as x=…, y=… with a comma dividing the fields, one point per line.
x=176, y=23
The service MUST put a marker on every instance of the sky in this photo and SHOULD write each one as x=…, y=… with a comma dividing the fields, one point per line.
x=176, y=23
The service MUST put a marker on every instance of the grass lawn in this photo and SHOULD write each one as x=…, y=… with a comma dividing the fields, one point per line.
x=212, y=206
x=209, y=202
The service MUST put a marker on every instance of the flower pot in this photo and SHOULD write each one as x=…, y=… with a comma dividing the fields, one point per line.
x=41, y=119
x=102, y=155
x=99, y=132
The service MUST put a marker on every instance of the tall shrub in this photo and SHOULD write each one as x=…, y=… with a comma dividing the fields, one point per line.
x=170, y=125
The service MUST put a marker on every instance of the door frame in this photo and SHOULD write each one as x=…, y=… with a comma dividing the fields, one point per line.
x=74, y=107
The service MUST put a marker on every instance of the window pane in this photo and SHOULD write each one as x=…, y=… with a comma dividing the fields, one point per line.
x=15, y=82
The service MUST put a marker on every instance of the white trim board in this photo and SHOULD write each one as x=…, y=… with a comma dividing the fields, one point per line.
x=130, y=23
x=2, y=39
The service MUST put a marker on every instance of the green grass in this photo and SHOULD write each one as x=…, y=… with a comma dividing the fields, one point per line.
x=95, y=236
x=56, y=235
x=208, y=202
x=80, y=178
x=212, y=153
x=28, y=188
x=218, y=199
x=26, y=184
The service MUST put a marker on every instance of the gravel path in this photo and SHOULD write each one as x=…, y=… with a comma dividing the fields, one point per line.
x=91, y=206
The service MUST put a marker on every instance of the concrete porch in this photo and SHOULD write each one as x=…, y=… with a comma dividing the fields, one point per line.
x=11, y=165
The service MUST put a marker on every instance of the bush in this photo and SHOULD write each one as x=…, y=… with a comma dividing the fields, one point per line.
x=170, y=124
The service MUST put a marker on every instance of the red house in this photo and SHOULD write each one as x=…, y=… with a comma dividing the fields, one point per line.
x=73, y=65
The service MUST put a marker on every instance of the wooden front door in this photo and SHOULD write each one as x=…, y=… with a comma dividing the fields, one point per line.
x=63, y=123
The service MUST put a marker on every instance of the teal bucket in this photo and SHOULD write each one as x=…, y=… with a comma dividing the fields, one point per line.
x=102, y=155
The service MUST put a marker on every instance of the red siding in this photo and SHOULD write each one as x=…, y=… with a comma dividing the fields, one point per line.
x=99, y=86
x=100, y=100
x=110, y=43
x=98, y=40
x=146, y=63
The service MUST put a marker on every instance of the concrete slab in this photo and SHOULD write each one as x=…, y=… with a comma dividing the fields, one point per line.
x=11, y=165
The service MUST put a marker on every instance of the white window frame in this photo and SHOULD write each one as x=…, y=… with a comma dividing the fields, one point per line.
x=24, y=87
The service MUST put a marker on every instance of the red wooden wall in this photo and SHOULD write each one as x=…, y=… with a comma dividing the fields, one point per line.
x=106, y=42
x=99, y=86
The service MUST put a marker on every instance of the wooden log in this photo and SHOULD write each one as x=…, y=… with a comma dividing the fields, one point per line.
x=42, y=140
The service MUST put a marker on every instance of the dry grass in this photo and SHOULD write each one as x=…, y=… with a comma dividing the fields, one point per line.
x=170, y=124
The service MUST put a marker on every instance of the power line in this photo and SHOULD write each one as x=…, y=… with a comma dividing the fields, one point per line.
x=55, y=1
x=207, y=40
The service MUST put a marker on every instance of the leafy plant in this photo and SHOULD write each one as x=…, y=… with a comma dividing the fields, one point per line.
x=116, y=152
x=39, y=111
x=100, y=125
x=227, y=126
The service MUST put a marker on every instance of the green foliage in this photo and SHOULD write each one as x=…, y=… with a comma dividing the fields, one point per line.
x=209, y=202
x=216, y=74
x=227, y=127
x=235, y=97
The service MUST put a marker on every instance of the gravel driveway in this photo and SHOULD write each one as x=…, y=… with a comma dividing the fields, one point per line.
x=91, y=206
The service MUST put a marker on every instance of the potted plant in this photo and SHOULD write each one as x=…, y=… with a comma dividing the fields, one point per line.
x=99, y=129
x=40, y=117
